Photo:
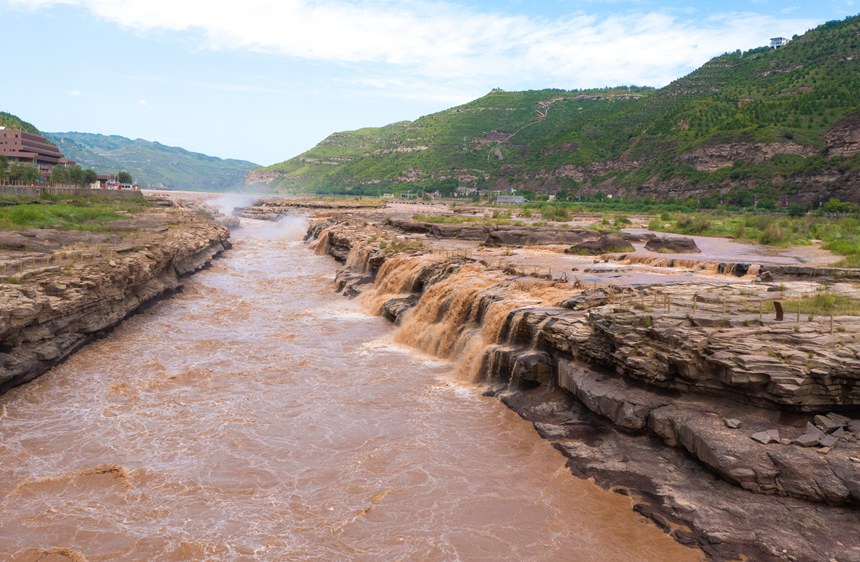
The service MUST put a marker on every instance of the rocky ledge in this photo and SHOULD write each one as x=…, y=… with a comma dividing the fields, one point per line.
x=732, y=429
x=61, y=289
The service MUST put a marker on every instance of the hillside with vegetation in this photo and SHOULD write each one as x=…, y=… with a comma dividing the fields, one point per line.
x=763, y=128
x=10, y=121
x=152, y=164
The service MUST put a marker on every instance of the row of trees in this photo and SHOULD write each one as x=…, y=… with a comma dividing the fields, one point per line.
x=16, y=172
x=73, y=175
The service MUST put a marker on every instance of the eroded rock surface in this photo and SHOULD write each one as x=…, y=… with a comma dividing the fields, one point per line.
x=64, y=289
x=733, y=430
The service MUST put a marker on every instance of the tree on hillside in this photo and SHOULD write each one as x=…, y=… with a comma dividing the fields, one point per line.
x=59, y=174
x=76, y=175
x=124, y=177
x=90, y=176
x=4, y=166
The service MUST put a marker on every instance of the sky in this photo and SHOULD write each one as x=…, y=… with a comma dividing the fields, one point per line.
x=264, y=80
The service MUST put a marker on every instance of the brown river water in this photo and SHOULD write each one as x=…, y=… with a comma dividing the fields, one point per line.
x=259, y=416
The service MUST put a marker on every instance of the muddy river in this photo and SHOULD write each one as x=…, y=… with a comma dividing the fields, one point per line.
x=259, y=416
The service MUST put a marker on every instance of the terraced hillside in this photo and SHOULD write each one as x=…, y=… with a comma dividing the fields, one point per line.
x=774, y=125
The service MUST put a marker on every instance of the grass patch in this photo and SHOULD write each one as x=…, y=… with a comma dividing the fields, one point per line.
x=822, y=303
x=90, y=213
x=840, y=235
x=397, y=246
x=500, y=219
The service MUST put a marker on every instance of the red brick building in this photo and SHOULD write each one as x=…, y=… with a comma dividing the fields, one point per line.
x=30, y=148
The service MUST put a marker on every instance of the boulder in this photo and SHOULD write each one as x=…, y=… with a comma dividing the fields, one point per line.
x=811, y=438
x=766, y=437
x=827, y=424
x=393, y=309
x=672, y=245
x=603, y=245
x=519, y=236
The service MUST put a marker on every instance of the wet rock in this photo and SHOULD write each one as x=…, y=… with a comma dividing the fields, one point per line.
x=672, y=245
x=551, y=431
x=732, y=423
x=395, y=308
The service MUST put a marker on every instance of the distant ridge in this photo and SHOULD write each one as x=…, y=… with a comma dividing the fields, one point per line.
x=770, y=125
x=153, y=164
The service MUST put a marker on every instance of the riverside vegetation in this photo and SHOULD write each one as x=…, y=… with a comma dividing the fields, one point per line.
x=92, y=214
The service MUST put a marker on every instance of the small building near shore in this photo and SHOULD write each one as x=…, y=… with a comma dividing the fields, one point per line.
x=511, y=200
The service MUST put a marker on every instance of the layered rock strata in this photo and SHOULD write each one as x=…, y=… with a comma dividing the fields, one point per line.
x=661, y=392
x=60, y=290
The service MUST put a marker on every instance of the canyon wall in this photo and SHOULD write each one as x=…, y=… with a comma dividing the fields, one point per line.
x=73, y=287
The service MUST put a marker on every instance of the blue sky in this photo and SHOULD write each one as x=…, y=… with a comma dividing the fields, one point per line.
x=264, y=80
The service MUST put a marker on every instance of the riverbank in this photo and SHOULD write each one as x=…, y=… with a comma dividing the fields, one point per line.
x=734, y=431
x=60, y=289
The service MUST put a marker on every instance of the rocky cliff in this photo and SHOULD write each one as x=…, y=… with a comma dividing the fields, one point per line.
x=61, y=289
x=730, y=429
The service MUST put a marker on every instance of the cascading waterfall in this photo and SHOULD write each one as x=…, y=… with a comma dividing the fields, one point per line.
x=359, y=258
x=323, y=241
x=463, y=317
x=716, y=268
x=398, y=276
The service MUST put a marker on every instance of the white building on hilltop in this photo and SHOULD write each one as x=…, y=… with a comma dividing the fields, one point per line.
x=777, y=42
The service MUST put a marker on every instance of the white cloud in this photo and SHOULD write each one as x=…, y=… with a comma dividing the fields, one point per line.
x=449, y=42
x=142, y=103
x=75, y=93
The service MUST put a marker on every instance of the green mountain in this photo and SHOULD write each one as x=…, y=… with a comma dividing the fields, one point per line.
x=10, y=121
x=152, y=164
x=769, y=125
